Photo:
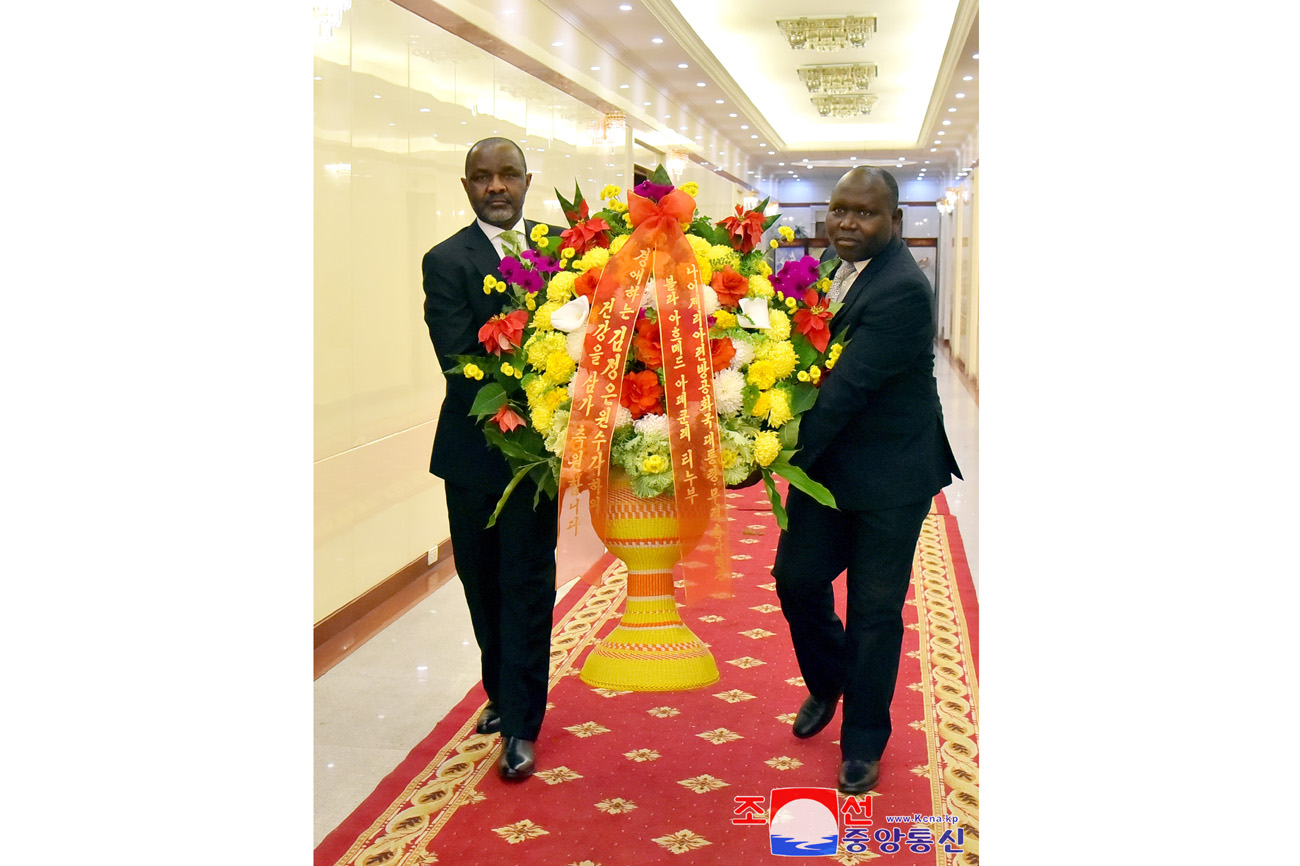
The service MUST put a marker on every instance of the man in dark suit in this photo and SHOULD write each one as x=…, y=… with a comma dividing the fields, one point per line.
x=875, y=438
x=507, y=571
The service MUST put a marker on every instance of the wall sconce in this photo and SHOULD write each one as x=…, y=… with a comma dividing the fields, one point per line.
x=675, y=161
x=329, y=15
x=613, y=126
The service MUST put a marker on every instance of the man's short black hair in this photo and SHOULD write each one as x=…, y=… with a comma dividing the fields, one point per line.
x=495, y=140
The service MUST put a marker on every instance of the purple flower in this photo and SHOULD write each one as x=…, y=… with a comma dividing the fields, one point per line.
x=513, y=271
x=795, y=277
x=652, y=191
x=541, y=263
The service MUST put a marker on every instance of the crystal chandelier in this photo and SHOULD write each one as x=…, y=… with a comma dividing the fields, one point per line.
x=851, y=105
x=841, y=78
x=329, y=15
x=675, y=161
x=612, y=126
x=827, y=34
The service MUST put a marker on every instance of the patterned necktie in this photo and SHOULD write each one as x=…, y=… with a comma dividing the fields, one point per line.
x=511, y=243
x=840, y=285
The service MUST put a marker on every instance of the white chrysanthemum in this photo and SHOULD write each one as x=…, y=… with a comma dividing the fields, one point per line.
x=651, y=425
x=575, y=341
x=744, y=353
x=622, y=418
x=710, y=300
x=557, y=434
x=727, y=387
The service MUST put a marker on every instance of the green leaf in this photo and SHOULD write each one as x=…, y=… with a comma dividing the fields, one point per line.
x=660, y=175
x=798, y=478
x=491, y=397
x=789, y=434
x=826, y=268
x=523, y=444
x=505, y=494
x=805, y=395
x=571, y=208
x=774, y=496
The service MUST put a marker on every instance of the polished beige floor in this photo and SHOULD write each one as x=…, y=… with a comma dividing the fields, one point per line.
x=375, y=706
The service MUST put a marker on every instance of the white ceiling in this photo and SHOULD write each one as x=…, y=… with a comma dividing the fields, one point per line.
x=922, y=50
x=718, y=77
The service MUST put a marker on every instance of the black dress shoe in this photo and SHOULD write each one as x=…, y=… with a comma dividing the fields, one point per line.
x=489, y=721
x=516, y=758
x=814, y=714
x=858, y=777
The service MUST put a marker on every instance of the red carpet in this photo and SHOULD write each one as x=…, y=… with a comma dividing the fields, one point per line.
x=635, y=778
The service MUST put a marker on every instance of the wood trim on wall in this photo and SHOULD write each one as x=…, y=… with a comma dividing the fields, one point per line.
x=339, y=634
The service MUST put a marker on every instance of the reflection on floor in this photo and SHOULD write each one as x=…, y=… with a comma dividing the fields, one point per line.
x=375, y=706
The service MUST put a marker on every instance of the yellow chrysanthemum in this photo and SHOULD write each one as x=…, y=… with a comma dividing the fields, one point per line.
x=701, y=248
x=760, y=287
x=617, y=206
x=556, y=397
x=559, y=367
x=542, y=344
x=561, y=286
x=765, y=269
x=617, y=243
x=507, y=369
x=654, y=464
x=596, y=257
x=786, y=233
x=542, y=318
x=780, y=354
x=691, y=188
x=721, y=256
x=568, y=253
x=534, y=388
x=767, y=447
x=728, y=458
x=530, y=303
x=778, y=410
x=541, y=416
x=539, y=231
x=489, y=283
x=762, y=374
x=611, y=191
x=778, y=325
x=773, y=244
x=724, y=319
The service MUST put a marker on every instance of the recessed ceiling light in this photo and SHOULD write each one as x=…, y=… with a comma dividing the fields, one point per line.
x=782, y=163
x=968, y=78
x=937, y=141
x=927, y=162
x=700, y=84
x=668, y=117
x=424, y=109
x=975, y=56
x=947, y=123
x=681, y=129
x=755, y=135
x=960, y=95
x=595, y=69
x=624, y=86
x=952, y=109
x=942, y=132
x=683, y=66
x=934, y=150
x=377, y=96
x=658, y=40
x=625, y=8
x=771, y=153
x=733, y=114
x=557, y=44
x=853, y=159
x=718, y=101
x=316, y=78
x=744, y=126
x=647, y=105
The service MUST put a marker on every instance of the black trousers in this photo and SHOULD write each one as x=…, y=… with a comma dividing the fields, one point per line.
x=858, y=657
x=508, y=574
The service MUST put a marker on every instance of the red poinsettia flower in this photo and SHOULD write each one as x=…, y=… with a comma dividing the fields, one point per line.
x=646, y=346
x=642, y=394
x=814, y=320
x=730, y=286
x=578, y=213
x=746, y=229
x=507, y=419
x=503, y=331
x=585, y=284
x=723, y=350
x=585, y=235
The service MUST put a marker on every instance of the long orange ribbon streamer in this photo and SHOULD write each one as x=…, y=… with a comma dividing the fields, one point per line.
x=656, y=251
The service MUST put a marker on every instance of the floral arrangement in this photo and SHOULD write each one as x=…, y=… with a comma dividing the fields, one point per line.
x=769, y=339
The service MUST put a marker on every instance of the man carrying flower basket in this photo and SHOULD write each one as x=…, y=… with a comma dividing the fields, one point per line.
x=507, y=570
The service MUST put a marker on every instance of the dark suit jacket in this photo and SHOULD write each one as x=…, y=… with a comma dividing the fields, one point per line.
x=455, y=307
x=875, y=436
